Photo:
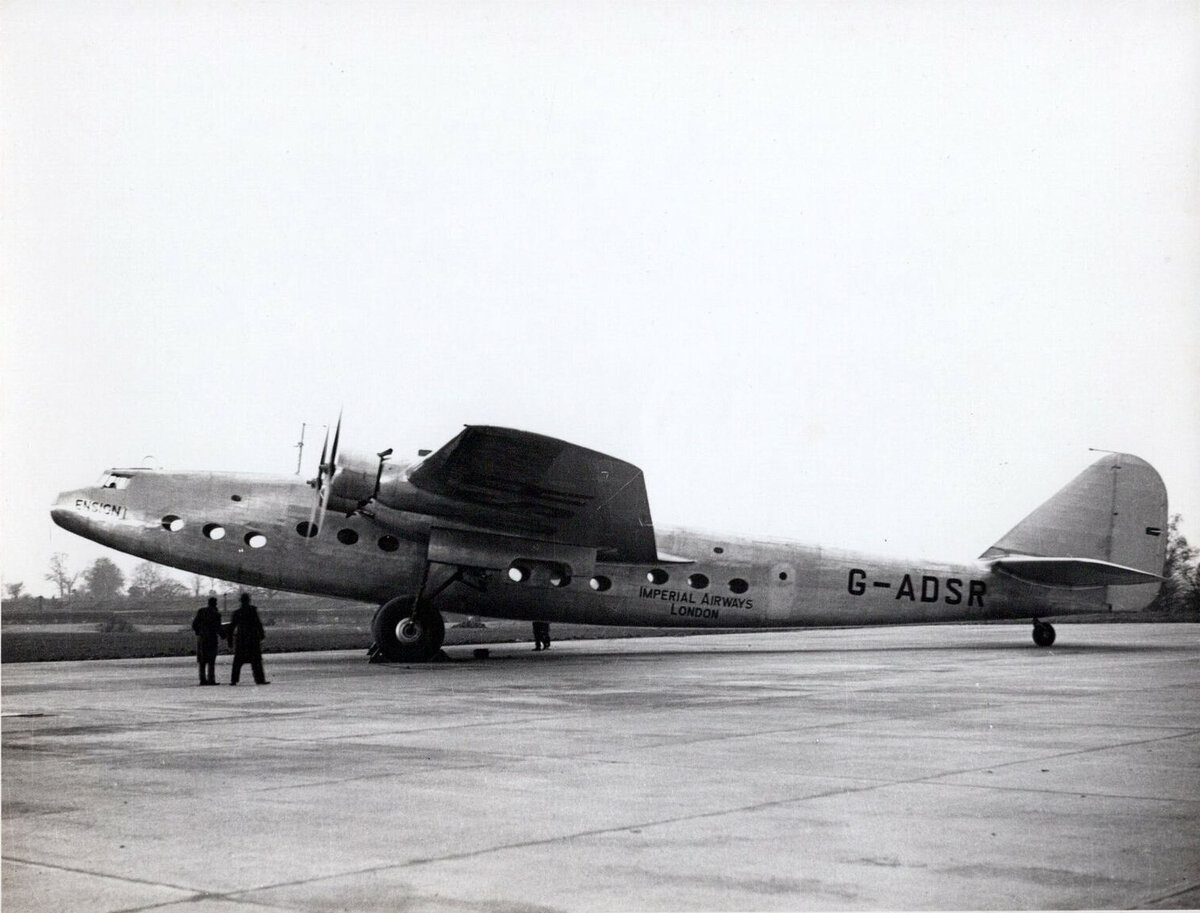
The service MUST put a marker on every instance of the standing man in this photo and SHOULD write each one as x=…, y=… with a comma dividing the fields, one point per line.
x=207, y=625
x=541, y=635
x=246, y=634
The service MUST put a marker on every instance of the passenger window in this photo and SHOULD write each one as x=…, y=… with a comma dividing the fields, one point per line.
x=115, y=480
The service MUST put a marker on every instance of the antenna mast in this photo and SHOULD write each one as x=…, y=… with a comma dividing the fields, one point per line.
x=300, y=447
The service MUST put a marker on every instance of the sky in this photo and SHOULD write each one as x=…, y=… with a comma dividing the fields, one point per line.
x=873, y=275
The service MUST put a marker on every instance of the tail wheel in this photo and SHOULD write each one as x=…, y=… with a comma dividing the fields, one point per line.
x=406, y=636
x=1043, y=634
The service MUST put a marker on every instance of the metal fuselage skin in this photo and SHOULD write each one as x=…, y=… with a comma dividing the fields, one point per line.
x=172, y=518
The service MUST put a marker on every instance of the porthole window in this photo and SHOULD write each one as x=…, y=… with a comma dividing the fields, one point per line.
x=255, y=540
x=347, y=536
x=172, y=523
x=389, y=543
x=783, y=575
x=306, y=529
x=214, y=531
x=559, y=577
x=518, y=573
x=738, y=585
x=236, y=498
x=658, y=575
x=600, y=583
x=718, y=550
x=697, y=581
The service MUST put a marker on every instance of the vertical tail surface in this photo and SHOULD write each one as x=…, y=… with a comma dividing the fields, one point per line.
x=1115, y=512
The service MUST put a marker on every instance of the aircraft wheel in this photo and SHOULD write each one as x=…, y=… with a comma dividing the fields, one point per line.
x=405, y=636
x=1043, y=634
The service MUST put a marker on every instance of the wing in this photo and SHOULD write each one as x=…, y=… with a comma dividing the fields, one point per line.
x=524, y=484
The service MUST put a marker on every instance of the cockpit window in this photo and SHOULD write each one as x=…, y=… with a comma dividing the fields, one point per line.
x=118, y=480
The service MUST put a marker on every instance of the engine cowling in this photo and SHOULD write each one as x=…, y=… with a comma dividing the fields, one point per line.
x=355, y=478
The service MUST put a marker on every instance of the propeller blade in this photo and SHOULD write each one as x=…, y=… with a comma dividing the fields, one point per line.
x=320, y=489
x=337, y=433
x=321, y=518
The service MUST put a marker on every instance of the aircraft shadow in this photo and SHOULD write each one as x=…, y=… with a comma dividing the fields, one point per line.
x=503, y=653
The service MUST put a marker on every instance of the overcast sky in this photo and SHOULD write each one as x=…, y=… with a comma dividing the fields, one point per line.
x=871, y=275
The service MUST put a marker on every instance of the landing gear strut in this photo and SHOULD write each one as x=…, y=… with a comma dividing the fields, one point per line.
x=1043, y=633
x=408, y=629
x=406, y=632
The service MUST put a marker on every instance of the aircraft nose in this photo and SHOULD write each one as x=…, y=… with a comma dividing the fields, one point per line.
x=63, y=512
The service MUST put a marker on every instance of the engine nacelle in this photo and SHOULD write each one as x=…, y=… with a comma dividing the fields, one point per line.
x=355, y=477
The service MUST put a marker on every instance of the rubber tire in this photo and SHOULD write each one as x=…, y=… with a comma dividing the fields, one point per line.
x=1043, y=634
x=424, y=640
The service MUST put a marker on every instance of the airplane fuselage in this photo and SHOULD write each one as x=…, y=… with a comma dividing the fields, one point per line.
x=256, y=530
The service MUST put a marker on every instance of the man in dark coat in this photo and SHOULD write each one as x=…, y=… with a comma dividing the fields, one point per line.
x=541, y=635
x=207, y=625
x=246, y=634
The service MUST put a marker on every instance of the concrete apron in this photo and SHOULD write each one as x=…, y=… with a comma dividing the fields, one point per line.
x=905, y=768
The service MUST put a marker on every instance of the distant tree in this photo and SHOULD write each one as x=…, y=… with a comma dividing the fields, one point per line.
x=13, y=590
x=148, y=579
x=209, y=586
x=61, y=576
x=1191, y=597
x=254, y=592
x=103, y=579
x=1180, y=590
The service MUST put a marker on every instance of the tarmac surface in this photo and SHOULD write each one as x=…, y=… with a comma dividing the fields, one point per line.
x=953, y=767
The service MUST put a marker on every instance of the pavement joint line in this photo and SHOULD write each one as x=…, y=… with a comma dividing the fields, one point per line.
x=716, y=813
x=715, y=737
x=315, y=784
x=558, y=718
x=1074, y=753
x=1062, y=792
x=578, y=835
x=594, y=756
x=207, y=895
x=1159, y=898
x=927, y=777
x=193, y=892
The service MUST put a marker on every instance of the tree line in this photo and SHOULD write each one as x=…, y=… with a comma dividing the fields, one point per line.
x=103, y=579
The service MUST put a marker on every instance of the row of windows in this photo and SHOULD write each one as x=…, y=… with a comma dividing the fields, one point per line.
x=255, y=539
x=387, y=543
x=519, y=573
x=658, y=577
x=601, y=584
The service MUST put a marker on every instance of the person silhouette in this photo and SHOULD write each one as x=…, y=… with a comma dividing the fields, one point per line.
x=207, y=625
x=246, y=634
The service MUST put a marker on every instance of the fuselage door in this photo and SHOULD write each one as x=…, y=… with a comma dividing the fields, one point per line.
x=781, y=592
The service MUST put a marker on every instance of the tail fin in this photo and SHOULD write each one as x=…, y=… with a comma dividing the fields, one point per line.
x=1107, y=527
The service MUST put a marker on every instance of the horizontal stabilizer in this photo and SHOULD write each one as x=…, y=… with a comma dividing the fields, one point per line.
x=1081, y=572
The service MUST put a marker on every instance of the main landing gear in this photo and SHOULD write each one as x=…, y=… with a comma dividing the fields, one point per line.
x=408, y=629
x=407, y=632
x=1043, y=633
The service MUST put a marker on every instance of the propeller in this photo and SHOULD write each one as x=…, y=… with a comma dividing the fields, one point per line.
x=325, y=471
x=344, y=477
